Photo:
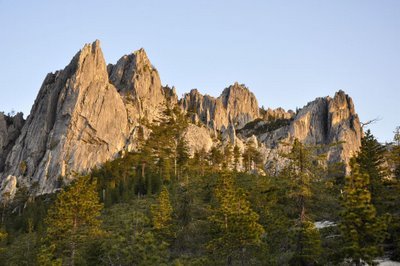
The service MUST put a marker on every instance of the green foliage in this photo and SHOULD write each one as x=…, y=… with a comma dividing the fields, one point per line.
x=163, y=207
x=236, y=157
x=308, y=244
x=216, y=158
x=371, y=160
x=129, y=239
x=228, y=157
x=259, y=126
x=303, y=175
x=3, y=237
x=362, y=230
x=392, y=200
x=72, y=219
x=166, y=145
x=162, y=211
x=251, y=157
x=237, y=225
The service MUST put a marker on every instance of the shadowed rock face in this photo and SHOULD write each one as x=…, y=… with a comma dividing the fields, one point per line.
x=88, y=113
x=10, y=128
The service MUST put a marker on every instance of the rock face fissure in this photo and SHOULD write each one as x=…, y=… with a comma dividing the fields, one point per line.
x=10, y=129
x=89, y=113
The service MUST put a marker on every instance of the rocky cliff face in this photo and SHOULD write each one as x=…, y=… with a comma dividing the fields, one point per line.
x=138, y=81
x=77, y=121
x=236, y=105
x=330, y=120
x=324, y=121
x=278, y=113
x=10, y=128
x=88, y=113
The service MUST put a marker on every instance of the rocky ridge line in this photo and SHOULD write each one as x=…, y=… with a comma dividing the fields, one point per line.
x=89, y=113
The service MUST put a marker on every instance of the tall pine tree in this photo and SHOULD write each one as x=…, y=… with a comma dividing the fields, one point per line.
x=363, y=232
x=72, y=219
x=162, y=211
x=371, y=160
x=237, y=225
x=303, y=172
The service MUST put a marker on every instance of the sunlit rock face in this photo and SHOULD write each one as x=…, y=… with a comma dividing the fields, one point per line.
x=89, y=113
x=236, y=105
x=78, y=120
x=135, y=78
x=324, y=121
x=329, y=120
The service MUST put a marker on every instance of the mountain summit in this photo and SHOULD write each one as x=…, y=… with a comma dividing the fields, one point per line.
x=89, y=113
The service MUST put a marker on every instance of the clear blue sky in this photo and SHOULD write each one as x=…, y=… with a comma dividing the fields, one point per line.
x=286, y=52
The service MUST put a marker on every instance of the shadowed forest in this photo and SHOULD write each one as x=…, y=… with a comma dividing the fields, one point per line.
x=161, y=206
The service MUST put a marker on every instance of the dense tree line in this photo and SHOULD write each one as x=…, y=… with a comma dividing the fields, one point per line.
x=160, y=206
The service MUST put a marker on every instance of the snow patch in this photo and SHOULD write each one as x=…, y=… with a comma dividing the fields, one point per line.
x=324, y=224
x=386, y=262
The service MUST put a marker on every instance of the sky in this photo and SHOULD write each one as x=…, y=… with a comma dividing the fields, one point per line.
x=286, y=52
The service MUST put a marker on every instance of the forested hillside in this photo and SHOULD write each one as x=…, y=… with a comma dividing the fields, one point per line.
x=162, y=206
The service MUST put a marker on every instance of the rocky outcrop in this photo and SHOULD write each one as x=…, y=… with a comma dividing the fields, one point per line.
x=139, y=82
x=77, y=121
x=241, y=104
x=344, y=126
x=278, y=113
x=235, y=105
x=324, y=121
x=10, y=128
x=327, y=121
x=198, y=138
x=88, y=113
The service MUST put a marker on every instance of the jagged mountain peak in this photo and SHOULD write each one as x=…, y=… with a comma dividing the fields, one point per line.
x=78, y=120
x=90, y=56
x=241, y=103
x=133, y=75
x=236, y=105
x=141, y=58
x=89, y=113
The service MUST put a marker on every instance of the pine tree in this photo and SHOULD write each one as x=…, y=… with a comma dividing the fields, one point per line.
x=308, y=244
x=302, y=173
x=251, y=157
x=215, y=157
x=129, y=239
x=166, y=148
x=199, y=162
x=182, y=151
x=228, y=156
x=162, y=211
x=166, y=169
x=3, y=237
x=362, y=231
x=236, y=157
x=237, y=226
x=392, y=204
x=371, y=160
x=72, y=219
